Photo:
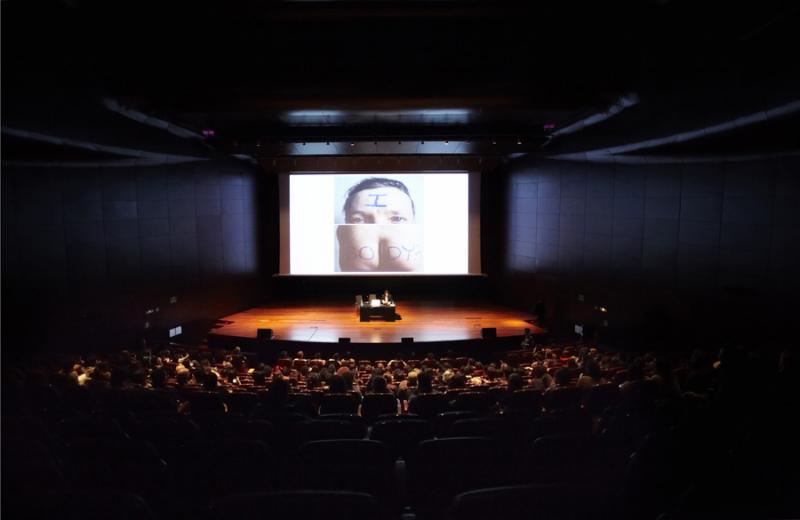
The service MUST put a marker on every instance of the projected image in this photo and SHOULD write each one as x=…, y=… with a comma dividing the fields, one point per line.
x=378, y=223
x=381, y=230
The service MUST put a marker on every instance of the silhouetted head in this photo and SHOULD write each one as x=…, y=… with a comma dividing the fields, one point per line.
x=514, y=382
x=379, y=385
x=337, y=384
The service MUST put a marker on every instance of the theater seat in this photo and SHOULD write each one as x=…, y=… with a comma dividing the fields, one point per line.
x=527, y=403
x=428, y=405
x=601, y=397
x=338, y=403
x=439, y=469
x=331, y=429
x=348, y=464
x=569, y=459
x=478, y=402
x=87, y=505
x=297, y=505
x=563, y=399
x=401, y=434
x=129, y=466
x=204, y=470
x=527, y=502
x=496, y=428
x=443, y=421
x=374, y=405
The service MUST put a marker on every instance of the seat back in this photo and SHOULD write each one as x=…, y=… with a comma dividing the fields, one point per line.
x=331, y=429
x=560, y=424
x=204, y=470
x=402, y=434
x=526, y=402
x=528, y=501
x=478, y=402
x=600, y=397
x=88, y=505
x=428, y=405
x=374, y=405
x=242, y=402
x=569, y=459
x=298, y=505
x=348, y=464
x=439, y=469
x=489, y=427
x=563, y=399
x=443, y=420
x=338, y=403
x=206, y=403
x=121, y=465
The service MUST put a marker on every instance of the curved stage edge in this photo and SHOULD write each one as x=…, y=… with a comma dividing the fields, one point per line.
x=422, y=327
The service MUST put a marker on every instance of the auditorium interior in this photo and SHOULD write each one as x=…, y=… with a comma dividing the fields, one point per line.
x=583, y=304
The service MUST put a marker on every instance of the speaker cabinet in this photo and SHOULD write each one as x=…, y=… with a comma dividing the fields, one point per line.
x=344, y=340
x=406, y=340
x=489, y=333
x=264, y=334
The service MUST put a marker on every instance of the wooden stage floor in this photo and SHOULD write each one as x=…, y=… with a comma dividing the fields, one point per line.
x=422, y=320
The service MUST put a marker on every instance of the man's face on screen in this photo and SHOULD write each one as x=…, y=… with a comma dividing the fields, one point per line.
x=381, y=205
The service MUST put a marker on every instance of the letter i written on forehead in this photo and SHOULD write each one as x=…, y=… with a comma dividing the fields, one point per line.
x=376, y=200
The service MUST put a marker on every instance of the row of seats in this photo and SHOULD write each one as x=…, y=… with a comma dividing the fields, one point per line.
x=369, y=406
x=192, y=474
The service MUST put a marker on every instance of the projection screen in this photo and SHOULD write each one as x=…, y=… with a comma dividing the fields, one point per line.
x=380, y=223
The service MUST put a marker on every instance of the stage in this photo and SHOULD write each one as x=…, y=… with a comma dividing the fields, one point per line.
x=425, y=321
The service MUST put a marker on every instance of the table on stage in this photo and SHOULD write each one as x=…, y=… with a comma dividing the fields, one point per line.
x=377, y=309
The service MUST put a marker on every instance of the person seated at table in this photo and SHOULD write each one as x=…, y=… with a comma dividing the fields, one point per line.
x=387, y=297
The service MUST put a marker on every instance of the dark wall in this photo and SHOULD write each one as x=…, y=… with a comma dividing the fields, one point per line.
x=343, y=289
x=87, y=251
x=665, y=247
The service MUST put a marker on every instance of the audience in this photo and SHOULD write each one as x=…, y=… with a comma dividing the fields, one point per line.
x=285, y=399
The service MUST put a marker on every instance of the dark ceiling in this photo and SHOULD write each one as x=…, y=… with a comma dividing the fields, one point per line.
x=266, y=77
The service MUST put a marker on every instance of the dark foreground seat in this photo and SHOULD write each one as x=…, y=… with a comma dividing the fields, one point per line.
x=297, y=505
